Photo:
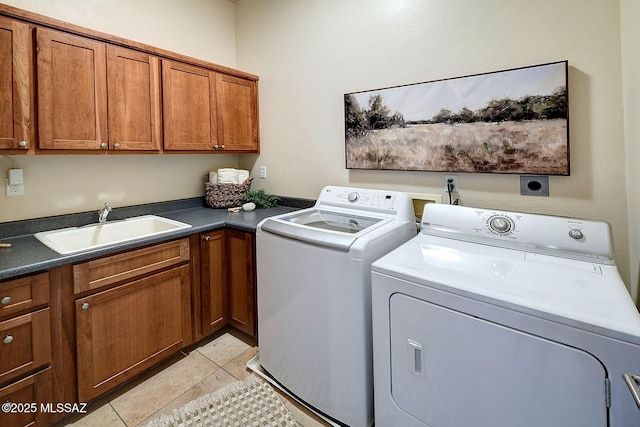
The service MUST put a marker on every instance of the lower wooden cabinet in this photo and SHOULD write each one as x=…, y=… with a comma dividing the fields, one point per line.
x=213, y=273
x=25, y=351
x=242, y=281
x=109, y=319
x=227, y=276
x=122, y=331
x=29, y=401
x=26, y=344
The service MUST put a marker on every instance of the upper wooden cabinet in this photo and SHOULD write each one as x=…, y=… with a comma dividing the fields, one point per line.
x=16, y=85
x=72, y=91
x=133, y=83
x=76, y=78
x=97, y=92
x=237, y=113
x=204, y=110
x=189, y=107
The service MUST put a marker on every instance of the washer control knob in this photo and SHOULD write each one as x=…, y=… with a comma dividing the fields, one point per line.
x=500, y=224
x=574, y=233
x=352, y=197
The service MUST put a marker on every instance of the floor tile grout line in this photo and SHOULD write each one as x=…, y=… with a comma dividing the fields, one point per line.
x=232, y=364
x=152, y=416
x=214, y=366
x=117, y=414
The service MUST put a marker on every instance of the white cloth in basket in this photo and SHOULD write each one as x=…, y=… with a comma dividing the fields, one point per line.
x=231, y=176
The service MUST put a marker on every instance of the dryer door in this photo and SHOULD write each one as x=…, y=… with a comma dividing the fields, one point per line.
x=449, y=369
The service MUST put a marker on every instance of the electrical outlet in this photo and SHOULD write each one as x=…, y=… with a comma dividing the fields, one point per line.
x=14, y=190
x=263, y=172
x=454, y=183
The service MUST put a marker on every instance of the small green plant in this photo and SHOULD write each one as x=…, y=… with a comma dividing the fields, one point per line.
x=261, y=199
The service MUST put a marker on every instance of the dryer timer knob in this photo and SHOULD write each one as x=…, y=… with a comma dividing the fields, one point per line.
x=352, y=197
x=500, y=224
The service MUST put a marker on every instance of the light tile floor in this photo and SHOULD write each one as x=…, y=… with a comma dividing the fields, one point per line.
x=185, y=377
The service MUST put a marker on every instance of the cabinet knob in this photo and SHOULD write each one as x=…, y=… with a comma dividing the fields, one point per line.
x=216, y=146
x=23, y=144
x=6, y=300
x=207, y=238
x=222, y=146
x=85, y=305
x=103, y=145
x=8, y=339
x=116, y=145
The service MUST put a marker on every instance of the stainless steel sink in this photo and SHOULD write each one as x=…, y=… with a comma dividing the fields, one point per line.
x=77, y=239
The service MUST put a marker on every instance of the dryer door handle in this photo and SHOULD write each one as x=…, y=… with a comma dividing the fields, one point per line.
x=633, y=384
x=415, y=358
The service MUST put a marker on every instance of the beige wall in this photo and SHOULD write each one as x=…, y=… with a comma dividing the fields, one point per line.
x=309, y=53
x=56, y=185
x=630, y=12
x=202, y=29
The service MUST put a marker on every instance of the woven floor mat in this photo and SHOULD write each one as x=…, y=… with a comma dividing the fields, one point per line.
x=251, y=402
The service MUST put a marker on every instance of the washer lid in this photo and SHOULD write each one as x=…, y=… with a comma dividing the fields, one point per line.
x=335, y=229
x=334, y=221
x=581, y=294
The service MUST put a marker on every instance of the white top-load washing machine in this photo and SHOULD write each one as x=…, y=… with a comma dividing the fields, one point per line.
x=314, y=296
x=501, y=319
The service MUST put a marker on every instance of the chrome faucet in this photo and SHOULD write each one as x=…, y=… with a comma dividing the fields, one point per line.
x=102, y=213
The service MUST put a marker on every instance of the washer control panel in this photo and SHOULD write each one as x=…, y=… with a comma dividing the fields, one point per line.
x=360, y=197
x=562, y=236
x=388, y=202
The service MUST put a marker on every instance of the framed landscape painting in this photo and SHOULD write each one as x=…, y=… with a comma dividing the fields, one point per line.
x=514, y=121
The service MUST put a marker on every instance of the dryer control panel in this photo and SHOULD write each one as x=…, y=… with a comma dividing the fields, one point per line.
x=553, y=235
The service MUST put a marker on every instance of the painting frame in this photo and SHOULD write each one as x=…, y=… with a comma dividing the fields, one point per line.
x=513, y=121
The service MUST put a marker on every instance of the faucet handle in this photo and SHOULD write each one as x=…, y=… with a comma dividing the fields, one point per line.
x=102, y=213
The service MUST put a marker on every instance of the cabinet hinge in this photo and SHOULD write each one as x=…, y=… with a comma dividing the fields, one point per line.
x=607, y=392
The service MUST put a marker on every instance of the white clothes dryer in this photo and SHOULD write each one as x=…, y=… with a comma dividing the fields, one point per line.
x=314, y=296
x=499, y=319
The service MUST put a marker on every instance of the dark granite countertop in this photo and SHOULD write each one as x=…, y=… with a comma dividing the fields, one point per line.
x=27, y=255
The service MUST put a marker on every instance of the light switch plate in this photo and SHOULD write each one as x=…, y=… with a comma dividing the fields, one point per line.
x=16, y=177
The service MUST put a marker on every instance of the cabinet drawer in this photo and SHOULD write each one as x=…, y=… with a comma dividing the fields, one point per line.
x=109, y=270
x=22, y=294
x=36, y=389
x=25, y=344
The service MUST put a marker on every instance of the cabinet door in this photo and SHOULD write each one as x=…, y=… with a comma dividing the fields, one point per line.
x=242, y=289
x=122, y=331
x=72, y=92
x=189, y=107
x=133, y=83
x=237, y=113
x=16, y=85
x=214, y=281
